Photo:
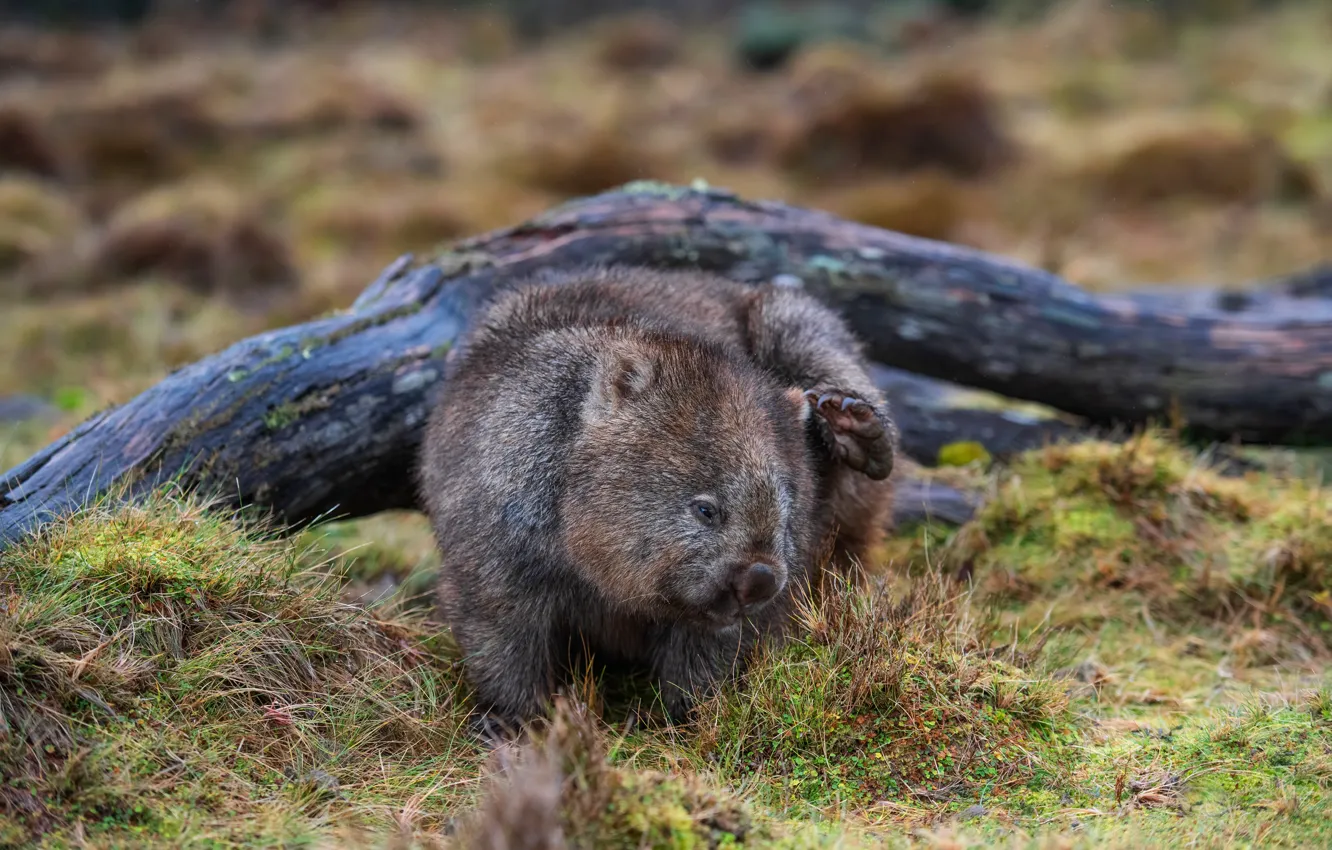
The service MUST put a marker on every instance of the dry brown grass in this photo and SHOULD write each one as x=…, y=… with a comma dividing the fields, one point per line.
x=201, y=235
x=37, y=53
x=385, y=224
x=561, y=790
x=27, y=144
x=301, y=99
x=567, y=155
x=136, y=138
x=641, y=42
x=859, y=124
x=36, y=221
x=1209, y=166
x=929, y=204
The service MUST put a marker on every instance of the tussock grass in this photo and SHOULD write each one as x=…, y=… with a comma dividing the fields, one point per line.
x=562, y=790
x=853, y=123
x=202, y=235
x=1209, y=165
x=895, y=692
x=1112, y=529
x=169, y=675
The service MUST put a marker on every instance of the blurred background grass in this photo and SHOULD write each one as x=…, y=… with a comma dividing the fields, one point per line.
x=177, y=175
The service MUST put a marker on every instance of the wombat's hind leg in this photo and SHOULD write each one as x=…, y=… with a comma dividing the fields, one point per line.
x=858, y=434
x=811, y=348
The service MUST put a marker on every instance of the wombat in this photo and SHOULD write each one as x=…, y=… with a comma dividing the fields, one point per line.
x=648, y=466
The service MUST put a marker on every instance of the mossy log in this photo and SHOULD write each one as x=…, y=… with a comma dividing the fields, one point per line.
x=323, y=419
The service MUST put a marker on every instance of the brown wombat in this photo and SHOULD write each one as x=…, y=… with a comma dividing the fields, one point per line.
x=647, y=466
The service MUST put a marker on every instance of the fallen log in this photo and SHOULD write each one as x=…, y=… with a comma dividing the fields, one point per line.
x=323, y=419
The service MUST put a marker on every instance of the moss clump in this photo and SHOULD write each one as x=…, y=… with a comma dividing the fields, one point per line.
x=887, y=699
x=168, y=676
x=1148, y=525
x=1260, y=769
x=964, y=453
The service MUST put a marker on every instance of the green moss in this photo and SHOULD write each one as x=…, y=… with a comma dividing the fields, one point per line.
x=168, y=677
x=1261, y=770
x=372, y=321
x=280, y=417
x=1147, y=525
x=963, y=453
x=290, y=412
x=887, y=699
x=656, y=188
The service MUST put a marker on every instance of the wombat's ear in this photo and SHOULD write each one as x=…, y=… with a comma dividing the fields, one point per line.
x=623, y=371
x=799, y=402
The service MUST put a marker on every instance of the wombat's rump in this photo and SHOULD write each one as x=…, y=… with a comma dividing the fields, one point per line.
x=646, y=466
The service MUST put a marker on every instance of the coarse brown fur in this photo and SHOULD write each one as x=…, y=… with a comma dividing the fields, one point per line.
x=646, y=466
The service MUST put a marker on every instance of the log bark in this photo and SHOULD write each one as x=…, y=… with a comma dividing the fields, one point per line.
x=323, y=419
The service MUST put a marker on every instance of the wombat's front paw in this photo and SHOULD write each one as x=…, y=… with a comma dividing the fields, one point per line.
x=678, y=705
x=858, y=432
x=491, y=730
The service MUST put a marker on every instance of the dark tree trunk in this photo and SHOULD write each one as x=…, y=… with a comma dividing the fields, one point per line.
x=323, y=419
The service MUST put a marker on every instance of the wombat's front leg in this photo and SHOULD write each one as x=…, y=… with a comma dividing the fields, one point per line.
x=689, y=663
x=511, y=666
x=810, y=346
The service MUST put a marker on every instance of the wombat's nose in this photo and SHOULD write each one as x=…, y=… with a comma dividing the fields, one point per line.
x=754, y=584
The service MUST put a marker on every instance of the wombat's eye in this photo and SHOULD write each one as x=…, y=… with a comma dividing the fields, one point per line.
x=706, y=512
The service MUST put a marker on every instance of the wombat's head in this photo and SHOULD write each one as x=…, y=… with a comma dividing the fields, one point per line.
x=688, y=491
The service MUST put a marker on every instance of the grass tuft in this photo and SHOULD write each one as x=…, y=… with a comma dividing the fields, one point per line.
x=36, y=220
x=199, y=235
x=887, y=697
x=638, y=43
x=929, y=204
x=27, y=145
x=1209, y=166
x=167, y=674
x=571, y=785
x=854, y=124
x=1148, y=525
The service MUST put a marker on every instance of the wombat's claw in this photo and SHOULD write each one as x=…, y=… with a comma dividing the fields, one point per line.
x=489, y=730
x=859, y=435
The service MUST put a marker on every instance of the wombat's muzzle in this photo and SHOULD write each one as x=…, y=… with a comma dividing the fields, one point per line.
x=749, y=587
x=754, y=585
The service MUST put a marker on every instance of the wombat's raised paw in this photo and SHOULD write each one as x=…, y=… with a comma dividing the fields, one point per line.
x=859, y=433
